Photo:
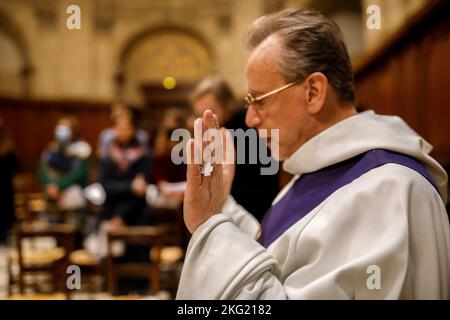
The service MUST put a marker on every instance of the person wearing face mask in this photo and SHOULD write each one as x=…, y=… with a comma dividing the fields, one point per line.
x=63, y=170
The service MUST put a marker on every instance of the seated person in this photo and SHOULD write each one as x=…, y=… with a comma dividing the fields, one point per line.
x=119, y=110
x=164, y=170
x=63, y=170
x=124, y=175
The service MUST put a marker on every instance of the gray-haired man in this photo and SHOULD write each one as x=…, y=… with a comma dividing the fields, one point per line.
x=363, y=217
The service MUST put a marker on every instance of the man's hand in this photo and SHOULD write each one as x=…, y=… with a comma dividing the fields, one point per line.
x=204, y=194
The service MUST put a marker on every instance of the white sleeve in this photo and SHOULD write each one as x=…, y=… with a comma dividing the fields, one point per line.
x=381, y=220
x=241, y=217
x=222, y=262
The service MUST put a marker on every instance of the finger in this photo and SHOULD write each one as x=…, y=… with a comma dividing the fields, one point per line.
x=216, y=122
x=193, y=175
x=228, y=152
x=210, y=120
x=213, y=137
x=212, y=152
x=206, y=147
x=216, y=148
x=198, y=136
x=208, y=125
x=218, y=142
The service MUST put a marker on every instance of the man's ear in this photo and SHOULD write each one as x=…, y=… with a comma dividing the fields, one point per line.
x=316, y=91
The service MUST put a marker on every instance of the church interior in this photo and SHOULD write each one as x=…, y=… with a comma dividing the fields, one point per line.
x=89, y=64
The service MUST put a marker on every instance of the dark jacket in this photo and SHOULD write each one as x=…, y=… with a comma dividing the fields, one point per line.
x=63, y=166
x=120, y=199
x=253, y=191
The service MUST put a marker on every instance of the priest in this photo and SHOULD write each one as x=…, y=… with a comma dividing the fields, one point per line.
x=363, y=217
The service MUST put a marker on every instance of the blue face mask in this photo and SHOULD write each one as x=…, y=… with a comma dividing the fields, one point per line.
x=63, y=134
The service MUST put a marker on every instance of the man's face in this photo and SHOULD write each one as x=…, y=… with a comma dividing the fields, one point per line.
x=285, y=110
x=208, y=101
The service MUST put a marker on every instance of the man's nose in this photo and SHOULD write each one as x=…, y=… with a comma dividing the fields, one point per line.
x=252, y=119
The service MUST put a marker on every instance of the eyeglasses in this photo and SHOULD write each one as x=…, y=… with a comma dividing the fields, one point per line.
x=254, y=101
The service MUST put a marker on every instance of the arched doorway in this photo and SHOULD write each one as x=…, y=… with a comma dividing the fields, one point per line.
x=179, y=56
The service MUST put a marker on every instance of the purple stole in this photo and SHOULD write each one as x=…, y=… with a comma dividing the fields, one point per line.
x=313, y=188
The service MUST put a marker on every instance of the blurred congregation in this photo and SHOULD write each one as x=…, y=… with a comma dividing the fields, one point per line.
x=87, y=117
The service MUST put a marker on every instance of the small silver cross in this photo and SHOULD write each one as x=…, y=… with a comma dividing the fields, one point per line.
x=207, y=169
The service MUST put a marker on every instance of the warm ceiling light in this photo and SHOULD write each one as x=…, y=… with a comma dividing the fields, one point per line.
x=169, y=83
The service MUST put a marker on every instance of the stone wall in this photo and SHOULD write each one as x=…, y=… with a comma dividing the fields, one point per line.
x=96, y=62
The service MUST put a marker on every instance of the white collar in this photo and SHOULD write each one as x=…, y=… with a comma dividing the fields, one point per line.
x=353, y=136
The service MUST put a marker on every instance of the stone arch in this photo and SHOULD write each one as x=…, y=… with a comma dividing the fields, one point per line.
x=14, y=41
x=163, y=51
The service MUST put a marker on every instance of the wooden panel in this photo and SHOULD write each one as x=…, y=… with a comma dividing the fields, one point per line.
x=409, y=77
x=437, y=100
x=31, y=123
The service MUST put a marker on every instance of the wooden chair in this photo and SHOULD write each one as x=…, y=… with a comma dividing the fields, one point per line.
x=174, y=245
x=139, y=236
x=28, y=206
x=90, y=268
x=172, y=220
x=53, y=261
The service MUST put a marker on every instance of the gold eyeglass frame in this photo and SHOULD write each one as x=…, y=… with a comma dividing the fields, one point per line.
x=250, y=100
